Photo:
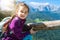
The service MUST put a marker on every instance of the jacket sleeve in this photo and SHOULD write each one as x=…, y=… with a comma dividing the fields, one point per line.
x=14, y=23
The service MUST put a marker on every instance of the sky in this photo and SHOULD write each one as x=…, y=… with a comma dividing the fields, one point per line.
x=8, y=4
x=53, y=2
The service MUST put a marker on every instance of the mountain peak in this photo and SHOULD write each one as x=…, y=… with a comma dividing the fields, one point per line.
x=43, y=6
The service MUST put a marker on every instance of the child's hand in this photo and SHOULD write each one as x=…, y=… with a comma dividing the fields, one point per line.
x=32, y=31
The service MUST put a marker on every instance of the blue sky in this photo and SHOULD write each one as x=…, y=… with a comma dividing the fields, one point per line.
x=54, y=2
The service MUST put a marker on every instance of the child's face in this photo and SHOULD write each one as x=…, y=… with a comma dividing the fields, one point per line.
x=22, y=12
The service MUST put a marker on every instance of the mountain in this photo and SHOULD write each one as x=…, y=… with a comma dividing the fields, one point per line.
x=44, y=11
x=44, y=6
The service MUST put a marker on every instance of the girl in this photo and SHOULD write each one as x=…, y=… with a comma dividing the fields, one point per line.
x=16, y=24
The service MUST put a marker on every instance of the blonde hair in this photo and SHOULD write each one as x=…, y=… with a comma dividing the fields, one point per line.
x=5, y=26
x=20, y=4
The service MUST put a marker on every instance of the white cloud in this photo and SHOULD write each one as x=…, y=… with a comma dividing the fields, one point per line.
x=39, y=3
x=36, y=4
x=7, y=4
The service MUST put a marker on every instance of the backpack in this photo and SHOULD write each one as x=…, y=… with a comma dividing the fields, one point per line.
x=1, y=25
x=3, y=22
